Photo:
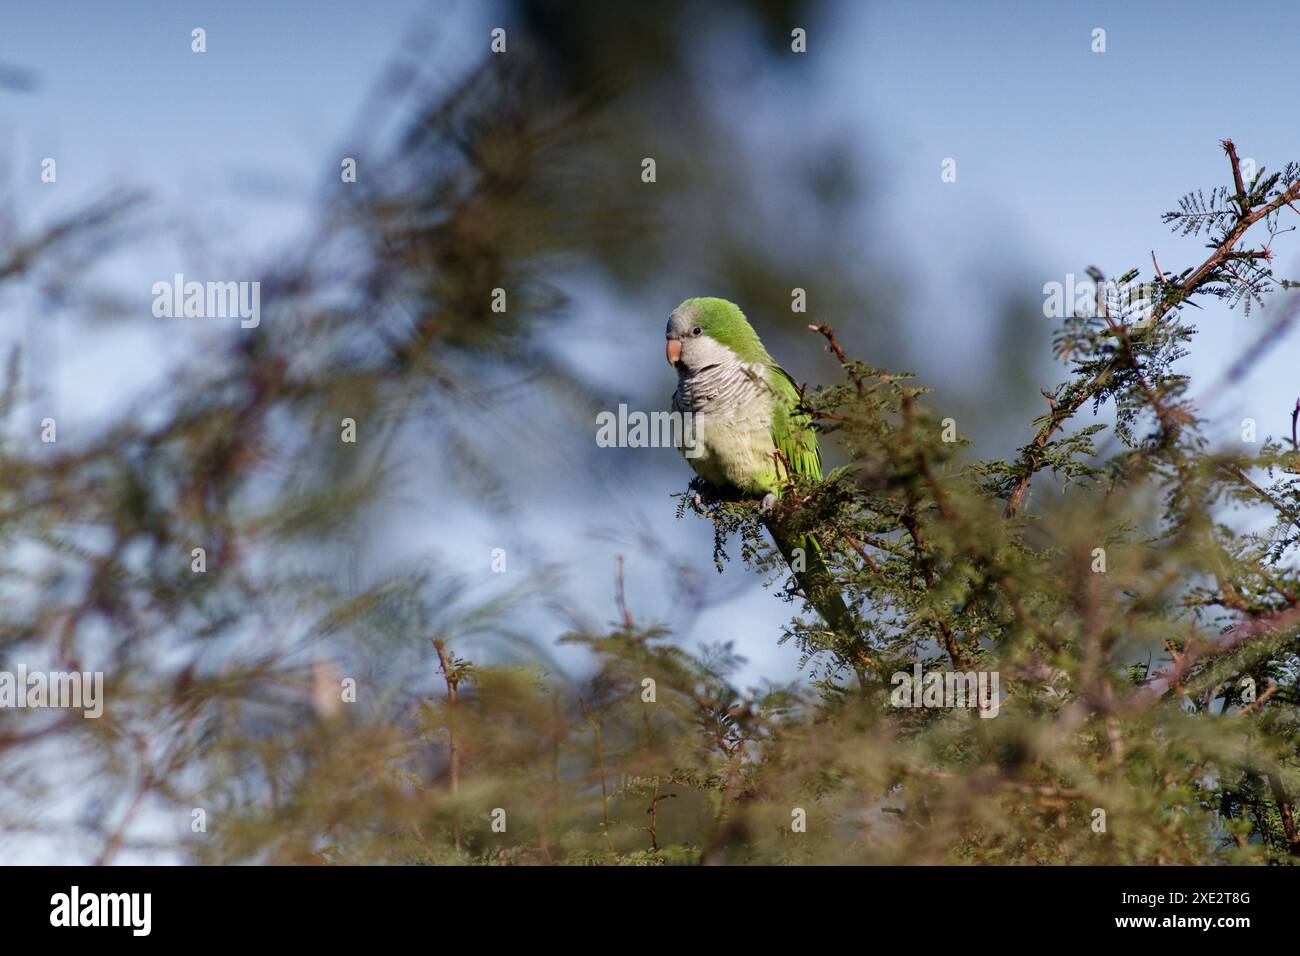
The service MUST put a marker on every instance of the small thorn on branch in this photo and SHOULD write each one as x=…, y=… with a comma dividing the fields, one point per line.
x=826, y=330
x=1231, y=149
x=1159, y=272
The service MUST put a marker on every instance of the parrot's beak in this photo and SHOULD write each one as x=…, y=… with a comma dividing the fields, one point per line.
x=674, y=351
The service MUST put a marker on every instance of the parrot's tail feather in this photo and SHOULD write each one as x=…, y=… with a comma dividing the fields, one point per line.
x=816, y=581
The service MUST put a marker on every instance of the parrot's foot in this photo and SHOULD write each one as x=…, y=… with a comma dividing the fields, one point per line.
x=769, y=502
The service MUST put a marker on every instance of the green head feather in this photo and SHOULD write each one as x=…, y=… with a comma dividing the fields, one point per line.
x=723, y=321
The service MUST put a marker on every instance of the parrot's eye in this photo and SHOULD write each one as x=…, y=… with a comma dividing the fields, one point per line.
x=696, y=331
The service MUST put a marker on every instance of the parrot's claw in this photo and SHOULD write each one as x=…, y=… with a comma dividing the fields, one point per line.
x=769, y=502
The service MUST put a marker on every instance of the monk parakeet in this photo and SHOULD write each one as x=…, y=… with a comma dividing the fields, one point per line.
x=748, y=426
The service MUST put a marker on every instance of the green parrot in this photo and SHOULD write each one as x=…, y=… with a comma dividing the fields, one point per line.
x=744, y=409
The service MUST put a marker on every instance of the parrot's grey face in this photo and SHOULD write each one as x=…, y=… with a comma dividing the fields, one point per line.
x=689, y=349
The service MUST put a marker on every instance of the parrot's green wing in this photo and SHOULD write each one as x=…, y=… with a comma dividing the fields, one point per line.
x=792, y=431
x=794, y=438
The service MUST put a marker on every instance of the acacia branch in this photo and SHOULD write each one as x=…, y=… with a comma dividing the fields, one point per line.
x=452, y=677
x=1178, y=291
